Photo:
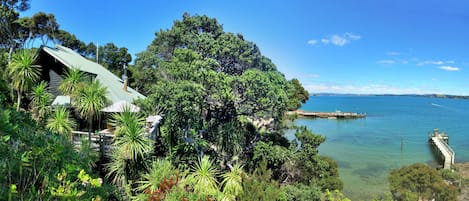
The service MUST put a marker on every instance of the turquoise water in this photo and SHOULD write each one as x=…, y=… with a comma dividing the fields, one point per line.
x=367, y=149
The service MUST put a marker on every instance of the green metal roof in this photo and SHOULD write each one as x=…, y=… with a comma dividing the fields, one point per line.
x=114, y=84
x=61, y=100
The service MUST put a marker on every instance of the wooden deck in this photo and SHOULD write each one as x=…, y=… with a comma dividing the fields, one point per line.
x=439, y=142
x=101, y=142
x=330, y=115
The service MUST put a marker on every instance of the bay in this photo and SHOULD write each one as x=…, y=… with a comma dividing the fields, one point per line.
x=394, y=133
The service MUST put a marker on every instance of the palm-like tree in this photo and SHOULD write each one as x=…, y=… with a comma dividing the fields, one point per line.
x=60, y=122
x=131, y=147
x=23, y=72
x=203, y=177
x=40, y=101
x=161, y=169
x=89, y=101
x=231, y=183
x=72, y=82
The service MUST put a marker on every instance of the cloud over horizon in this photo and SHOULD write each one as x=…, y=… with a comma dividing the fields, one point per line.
x=366, y=89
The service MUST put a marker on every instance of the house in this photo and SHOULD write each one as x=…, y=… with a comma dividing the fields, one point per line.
x=56, y=61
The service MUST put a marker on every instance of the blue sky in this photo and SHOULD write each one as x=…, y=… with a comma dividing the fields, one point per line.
x=368, y=47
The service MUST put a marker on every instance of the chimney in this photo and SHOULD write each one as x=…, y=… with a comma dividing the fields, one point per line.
x=125, y=78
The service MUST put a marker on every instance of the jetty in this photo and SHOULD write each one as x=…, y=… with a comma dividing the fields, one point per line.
x=330, y=115
x=439, y=142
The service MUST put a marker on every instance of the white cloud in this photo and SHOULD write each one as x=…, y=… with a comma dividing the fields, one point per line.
x=312, y=42
x=352, y=36
x=449, y=68
x=340, y=40
x=325, y=41
x=386, y=62
x=367, y=89
x=430, y=62
x=337, y=40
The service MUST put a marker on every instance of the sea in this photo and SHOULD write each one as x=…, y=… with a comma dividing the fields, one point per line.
x=393, y=134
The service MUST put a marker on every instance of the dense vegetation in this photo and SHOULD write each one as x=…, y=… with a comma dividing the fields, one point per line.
x=222, y=136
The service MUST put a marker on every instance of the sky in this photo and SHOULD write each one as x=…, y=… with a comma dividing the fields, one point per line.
x=360, y=46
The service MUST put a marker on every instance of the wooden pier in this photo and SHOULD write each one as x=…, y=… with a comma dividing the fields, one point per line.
x=330, y=115
x=439, y=141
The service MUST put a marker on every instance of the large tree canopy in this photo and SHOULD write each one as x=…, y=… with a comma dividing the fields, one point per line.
x=211, y=85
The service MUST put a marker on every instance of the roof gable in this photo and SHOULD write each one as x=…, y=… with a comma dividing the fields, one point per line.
x=114, y=84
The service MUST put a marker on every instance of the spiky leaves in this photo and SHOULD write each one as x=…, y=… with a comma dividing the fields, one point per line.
x=23, y=72
x=72, y=82
x=60, y=122
x=232, y=182
x=161, y=169
x=203, y=176
x=131, y=148
x=90, y=100
x=40, y=101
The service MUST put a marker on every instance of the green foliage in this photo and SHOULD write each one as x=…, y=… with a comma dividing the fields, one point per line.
x=297, y=94
x=232, y=182
x=335, y=195
x=31, y=157
x=276, y=156
x=419, y=182
x=203, y=177
x=160, y=169
x=114, y=58
x=210, y=86
x=73, y=82
x=89, y=101
x=132, y=147
x=301, y=192
x=320, y=170
x=23, y=73
x=40, y=102
x=61, y=123
x=68, y=189
x=259, y=186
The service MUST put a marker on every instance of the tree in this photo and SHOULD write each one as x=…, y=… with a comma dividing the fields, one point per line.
x=8, y=23
x=232, y=182
x=40, y=102
x=202, y=177
x=160, y=170
x=23, y=73
x=114, y=58
x=131, y=149
x=44, y=26
x=297, y=94
x=259, y=185
x=419, y=182
x=60, y=122
x=73, y=82
x=89, y=101
x=314, y=168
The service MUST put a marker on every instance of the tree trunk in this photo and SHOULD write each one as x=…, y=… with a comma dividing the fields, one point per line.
x=89, y=130
x=10, y=53
x=19, y=101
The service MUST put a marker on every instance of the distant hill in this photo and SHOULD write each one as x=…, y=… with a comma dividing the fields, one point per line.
x=415, y=95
